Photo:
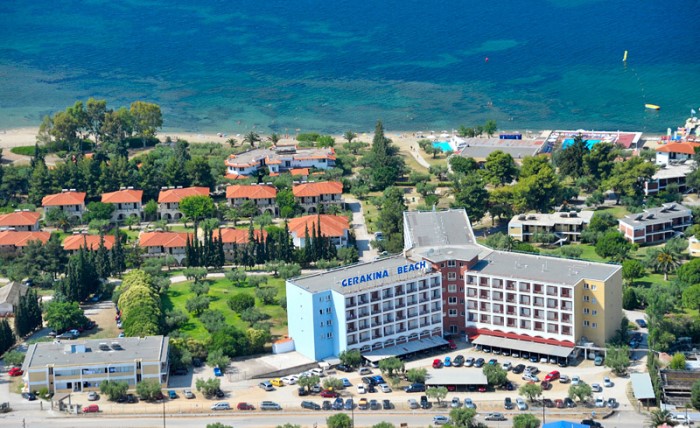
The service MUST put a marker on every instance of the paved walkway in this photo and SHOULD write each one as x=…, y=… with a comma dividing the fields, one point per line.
x=362, y=236
x=418, y=157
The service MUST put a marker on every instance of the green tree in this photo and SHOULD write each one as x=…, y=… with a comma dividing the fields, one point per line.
x=213, y=320
x=219, y=424
x=332, y=383
x=526, y=420
x=218, y=357
x=240, y=302
x=198, y=304
x=384, y=425
x=691, y=297
x=627, y=178
x=500, y=168
x=438, y=394
x=490, y=127
x=62, y=315
x=308, y=382
x=150, y=210
x=581, y=392
x=530, y=390
x=98, y=211
x=197, y=208
x=463, y=418
x=495, y=375
x=390, y=220
x=416, y=375
x=677, y=362
x=114, y=389
x=208, y=387
x=351, y=357
x=148, y=389
x=7, y=337
x=617, y=359
x=349, y=136
x=665, y=261
x=383, y=164
x=470, y=193
x=12, y=358
x=695, y=395
x=571, y=159
x=612, y=245
x=339, y=420
x=267, y=295
x=251, y=138
x=660, y=417
x=632, y=269
x=463, y=165
x=236, y=276
x=391, y=365
x=147, y=119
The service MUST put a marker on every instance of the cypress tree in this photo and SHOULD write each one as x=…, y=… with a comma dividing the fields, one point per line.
x=307, y=251
x=7, y=337
x=101, y=257
x=220, y=256
x=117, y=262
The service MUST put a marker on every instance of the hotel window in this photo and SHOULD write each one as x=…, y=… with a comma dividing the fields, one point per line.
x=329, y=322
x=329, y=335
x=452, y=313
x=328, y=310
x=451, y=263
x=586, y=311
x=593, y=300
x=451, y=276
x=586, y=323
x=594, y=312
x=452, y=300
x=452, y=288
x=593, y=287
x=594, y=325
x=585, y=286
x=586, y=299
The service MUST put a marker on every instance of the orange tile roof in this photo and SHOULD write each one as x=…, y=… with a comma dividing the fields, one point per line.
x=317, y=189
x=238, y=236
x=164, y=239
x=251, y=192
x=176, y=195
x=299, y=171
x=331, y=225
x=19, y=218
x=22, y=239
x=91, y=242
x=236, y=176
x=123, y=196
x=63, y=198
x=687, y=148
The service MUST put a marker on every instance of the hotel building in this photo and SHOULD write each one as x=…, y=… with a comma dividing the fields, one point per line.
x=544, y=305
x=656, y=225
x=564, y=225
x=81, y=365
x=278, y=159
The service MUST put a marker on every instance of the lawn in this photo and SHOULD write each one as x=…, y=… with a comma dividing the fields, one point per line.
x=219, y=292
x=618, y=211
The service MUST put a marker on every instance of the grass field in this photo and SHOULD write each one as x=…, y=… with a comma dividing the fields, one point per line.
x=219, y=292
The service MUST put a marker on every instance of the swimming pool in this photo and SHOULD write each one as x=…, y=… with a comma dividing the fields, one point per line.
x=443, y=145
x=569, y=141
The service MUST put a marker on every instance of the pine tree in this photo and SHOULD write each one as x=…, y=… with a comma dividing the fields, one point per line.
x=286, y=250
x=101, y=259
x=117, y=262
x=220, y=256
x=7, y=337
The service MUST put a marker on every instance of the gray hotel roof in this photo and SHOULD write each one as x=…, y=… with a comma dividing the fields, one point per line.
x=540, y=268
x=439, y=228
x=331, y=279
x=658, y=215
x=60, y=352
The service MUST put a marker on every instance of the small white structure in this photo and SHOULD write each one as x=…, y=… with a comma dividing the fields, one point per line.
x=283, y=345
x=9, y=297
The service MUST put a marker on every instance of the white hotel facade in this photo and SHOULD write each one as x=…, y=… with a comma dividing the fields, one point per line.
x=445, y=283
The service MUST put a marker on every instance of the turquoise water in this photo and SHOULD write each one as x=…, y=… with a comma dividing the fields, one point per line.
x=569, y=141
x=280, y=65
x=443, y=145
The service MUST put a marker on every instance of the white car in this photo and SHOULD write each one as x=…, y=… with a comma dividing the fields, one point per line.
x=365, y=371
x=507, y=366
x=522, y=405
x=531, y=378
x=440, y=420
x=456, y=402
x=412, y=403
x=361, y=389
x=575, y=380
x=564, y=379
x=384, y=387
x=595, y=387
x=318, y=372
x=682, y=419
x=221, y=406
x=290, y=380
x=607, y=382
x=600, y=401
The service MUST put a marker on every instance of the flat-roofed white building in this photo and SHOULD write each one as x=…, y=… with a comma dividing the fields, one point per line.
x=565, y=225
x=656, y=225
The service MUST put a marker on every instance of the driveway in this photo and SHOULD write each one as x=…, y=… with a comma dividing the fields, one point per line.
x=362, y=237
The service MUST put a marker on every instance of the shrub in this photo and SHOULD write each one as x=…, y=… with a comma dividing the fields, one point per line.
x=240, y=302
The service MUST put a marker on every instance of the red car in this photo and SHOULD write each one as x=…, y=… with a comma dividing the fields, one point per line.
x=437, y=363
x=451, y=388
x=559, y=403
x=552, y=376
x=451, y=343
x=482, y=388
x=92, y=408
x=16, y=371
x=328, y=394
x=245, y=406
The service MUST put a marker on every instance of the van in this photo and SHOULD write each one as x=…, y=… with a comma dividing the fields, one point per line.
x=221, y=406
x=277, y=382
x=270, y=405
x=92, y=408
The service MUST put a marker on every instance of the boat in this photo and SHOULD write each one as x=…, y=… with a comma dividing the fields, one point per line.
x=624, y=57
x=652, y=106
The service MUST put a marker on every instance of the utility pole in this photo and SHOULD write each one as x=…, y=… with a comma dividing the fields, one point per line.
x=163, y=413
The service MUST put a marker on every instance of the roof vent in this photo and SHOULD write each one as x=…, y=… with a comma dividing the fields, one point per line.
x=116, y=346
x=104, y=346
x=522, y=217
x=129, y=187
x=573, y=214
x=18, y=211
x=650, y=216
x=122, y=188
x=639, y=217
x=72, y=190
x=563, y=215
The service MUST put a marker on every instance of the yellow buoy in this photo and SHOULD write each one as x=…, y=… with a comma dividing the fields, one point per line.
x=624, y=57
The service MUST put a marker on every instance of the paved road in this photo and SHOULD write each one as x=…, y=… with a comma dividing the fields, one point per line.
x=362, y=236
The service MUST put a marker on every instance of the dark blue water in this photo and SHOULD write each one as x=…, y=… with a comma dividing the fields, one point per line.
x=330, y=66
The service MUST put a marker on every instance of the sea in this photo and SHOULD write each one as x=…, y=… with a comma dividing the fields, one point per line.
x=291, y=66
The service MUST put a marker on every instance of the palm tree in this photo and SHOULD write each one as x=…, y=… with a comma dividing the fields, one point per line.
x=509, y=243
x=666, y=261
x=232, y=142
x=660, y=417
x=251, y=138
x=274, y=138
x=349, y=136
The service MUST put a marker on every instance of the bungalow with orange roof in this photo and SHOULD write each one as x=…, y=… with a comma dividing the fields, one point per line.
x=20, y=220
x=165, y=244
x=278, y=159
x=262, y=195
x=75, y=242
x=300, y=173
x=169, y=200
x=231, y=238
x=310, y=195
x=12, y=241
x=127, y=203
x=332, y=226
x=68, y=201
x=675, y=152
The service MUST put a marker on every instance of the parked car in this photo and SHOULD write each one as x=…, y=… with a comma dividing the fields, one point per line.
x=458, y=361
x=172, y=394
x=363, y=404
x=223, y=405
x=640, y=322
x=530, y=378
x=479, y=362
x=564, y=379
x=424, y=403
x=188, y=394
x=451, y=344
x=302, y=391
x=181, y=371
x=612, y=403
x=552, y=376
x=469, y=404
x=532, y=370
x=519, y=368
x=469, y=362
x=384, y=387
x=456, y=402
x=522, y=405
x=92, y=396
x=598, y=360
x=507, y=403
x=326, y=405
x=559, y=403
x=569, y=402
x=318, y=372
x=92, y=408
x=493, y=362
x=29, y=396
x=218, y=372
x=290, y=380
x=346, y=382
x=310, y=405
x=365, y=371
x=607, y=382
x=413, y=404
x=338, y=404
x=507, y=366
x=344, y=368
x=128, y=398
x=546, y=402
x=361, y=389
x=349, y=404
x=415, y=387
x=369, y=380
x=374, y=405
x=600, y=402
x=437, y=363
x=245, y=406
x=495, y=416
x=546, y=385
x=575, y=380
x=595, y=387
x=267, y=386
x=277, y=382
x=270, y=405
x=327, y=393
x=387, y=405
x=448, y=362
x=440, y=420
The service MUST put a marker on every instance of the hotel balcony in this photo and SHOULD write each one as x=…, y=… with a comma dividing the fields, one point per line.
x=496, y=283
x=374, y=296
x=435, y=284
x=471, y=292
x=351, y=302
x=525, y=288
x=364, y=313
x=412, y=313
x=510, y=285
x=484, y=294
x=350, y=315
x=497, y=296
x=412, y=301
x=566, y=292
x=435, y=294
x=552, y=316
x=537, y=289
x=471, y=280
x=399, y=304
x=551, y=291
x=539, y=302
x=566, y=318
x=566, y=330
x=387, y=295
x=387, y=307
